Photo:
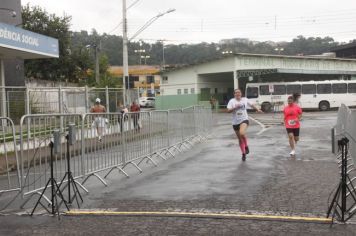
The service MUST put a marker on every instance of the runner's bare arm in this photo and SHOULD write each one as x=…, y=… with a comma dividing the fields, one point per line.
x=229, y=110
x=300, y=114
x=256, y=108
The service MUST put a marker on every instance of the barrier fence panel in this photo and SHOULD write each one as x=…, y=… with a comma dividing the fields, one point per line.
x=175, y=124
x=351, y=126
x=9, y=163
x=36, y=133
x=103, y=142
x=345, y=127
x=343, y=205
x=137, y=138
x=159, y=131
x=188, y=125
x=203, y=121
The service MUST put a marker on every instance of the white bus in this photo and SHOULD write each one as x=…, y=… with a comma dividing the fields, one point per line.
x=321, y=95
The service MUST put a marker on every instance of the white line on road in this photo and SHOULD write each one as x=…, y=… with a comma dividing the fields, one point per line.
x=260, y=124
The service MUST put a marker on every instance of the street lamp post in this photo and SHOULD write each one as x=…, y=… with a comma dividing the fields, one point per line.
x=97, y=51
x=145, y=57
x=97, y=48
x=125, y=61
x=279, y=50
x=226, y=52
x=126, y=40
x=163, y=59
x=140, y=51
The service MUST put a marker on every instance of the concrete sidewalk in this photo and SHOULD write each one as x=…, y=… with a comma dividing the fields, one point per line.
x=211, y=178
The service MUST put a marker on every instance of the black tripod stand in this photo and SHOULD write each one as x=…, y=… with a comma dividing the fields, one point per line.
x=339, y=205
x=55, y=190
x=70, y=179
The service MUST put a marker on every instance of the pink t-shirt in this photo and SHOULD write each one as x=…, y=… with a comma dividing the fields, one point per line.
x=291, y=113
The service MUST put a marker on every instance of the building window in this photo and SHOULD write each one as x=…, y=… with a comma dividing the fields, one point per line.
x=216, y=90
x=192, y=90
x=132, y=80
x=185, y=91
x=179, y=91
x=150, y=79
x=164, y=79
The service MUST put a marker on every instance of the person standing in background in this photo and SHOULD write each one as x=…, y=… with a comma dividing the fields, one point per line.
x=122, y=116
x=99, y=121
x=136, y=116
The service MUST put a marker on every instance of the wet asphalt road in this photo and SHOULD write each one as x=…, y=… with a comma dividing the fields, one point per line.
x=212, y=178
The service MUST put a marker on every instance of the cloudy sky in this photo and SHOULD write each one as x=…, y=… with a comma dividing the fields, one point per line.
x=211, y=20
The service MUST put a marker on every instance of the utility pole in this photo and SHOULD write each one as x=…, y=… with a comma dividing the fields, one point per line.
x=124, y=50
x=97, y=49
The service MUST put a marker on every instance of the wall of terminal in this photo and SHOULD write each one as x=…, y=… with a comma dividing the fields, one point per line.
x=14, y=68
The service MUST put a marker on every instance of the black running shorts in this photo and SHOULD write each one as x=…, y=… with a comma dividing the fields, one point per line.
x=237, y=127
x=295, y=131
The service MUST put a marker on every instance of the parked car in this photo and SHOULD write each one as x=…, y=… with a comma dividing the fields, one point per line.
x=147, y=101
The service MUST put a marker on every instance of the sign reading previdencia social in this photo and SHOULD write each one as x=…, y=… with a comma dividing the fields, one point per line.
x=16, y=38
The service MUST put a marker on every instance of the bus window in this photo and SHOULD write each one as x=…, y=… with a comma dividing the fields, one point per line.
x=323, y=88
x=264, y=90
x=279, y=90
x=308, y=89
x=294, y=88
x=339, y=88
x=252, y=92
x=352, y=88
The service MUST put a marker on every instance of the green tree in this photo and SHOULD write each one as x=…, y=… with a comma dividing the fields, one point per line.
x=38, y=20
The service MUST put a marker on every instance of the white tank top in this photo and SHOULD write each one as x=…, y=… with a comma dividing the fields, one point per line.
x=239, y=113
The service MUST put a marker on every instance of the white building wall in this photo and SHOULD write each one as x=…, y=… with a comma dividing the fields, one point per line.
x=188, y=78
x=180, y=79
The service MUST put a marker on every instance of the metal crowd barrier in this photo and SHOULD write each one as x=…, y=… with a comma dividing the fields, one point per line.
x=345, y=127
x=104, y=142
x=343, y=204
x=189, y=126
x=36, y=133
x=9, y=163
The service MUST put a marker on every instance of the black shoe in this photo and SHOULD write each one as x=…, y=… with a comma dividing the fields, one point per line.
x=247, y=150
x=243, y=157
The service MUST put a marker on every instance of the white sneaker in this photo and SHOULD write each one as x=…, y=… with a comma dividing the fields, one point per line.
x=292, y=153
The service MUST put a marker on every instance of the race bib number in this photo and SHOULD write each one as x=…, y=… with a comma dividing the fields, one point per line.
x=292, y=122
x=239, y=113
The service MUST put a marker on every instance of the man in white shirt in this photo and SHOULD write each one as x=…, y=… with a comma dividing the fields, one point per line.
x=238, y=107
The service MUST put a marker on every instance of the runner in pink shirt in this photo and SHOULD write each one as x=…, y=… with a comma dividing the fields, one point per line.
x=292, y=114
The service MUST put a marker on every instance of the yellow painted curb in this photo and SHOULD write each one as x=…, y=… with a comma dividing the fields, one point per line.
x=199, y=215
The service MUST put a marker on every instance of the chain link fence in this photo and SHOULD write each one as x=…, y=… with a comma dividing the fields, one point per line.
x=18, y=101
